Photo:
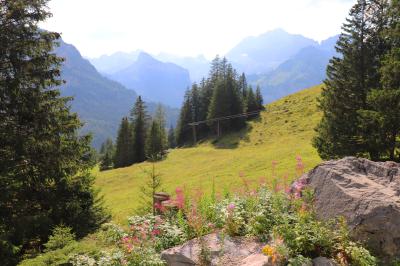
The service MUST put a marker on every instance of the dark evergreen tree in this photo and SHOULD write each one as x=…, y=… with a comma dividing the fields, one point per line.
x=350, y=77
x=124, y=145
x=156, y=143
x=140, y=122
x=206, y=92
x=381, y=118
x=154, y=147
x=243, y=87
x=259, y=99
x=107, y=162
x=171, y=138
x=45, y=166
x=226, y=99
x=184, y=132
x=251, y=103
x=107, y=152
x=107, y=145
x=195, y=103
x=159, y=117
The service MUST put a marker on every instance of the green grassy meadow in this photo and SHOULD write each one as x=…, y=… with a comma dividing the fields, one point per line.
x=283, y=131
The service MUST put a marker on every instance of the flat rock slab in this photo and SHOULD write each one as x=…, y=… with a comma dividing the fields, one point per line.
x=222, y=250
x=367, y=194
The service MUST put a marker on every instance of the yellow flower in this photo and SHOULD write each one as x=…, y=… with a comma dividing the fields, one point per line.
x=271, y=252
x=268, y=250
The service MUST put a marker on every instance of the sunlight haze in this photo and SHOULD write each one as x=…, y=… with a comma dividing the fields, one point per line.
x=188, y=27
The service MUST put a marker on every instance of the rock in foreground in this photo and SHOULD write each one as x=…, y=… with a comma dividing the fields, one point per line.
x=367, y=194
x=222, y=251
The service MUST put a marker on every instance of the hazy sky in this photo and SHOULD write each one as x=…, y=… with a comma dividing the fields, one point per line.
x=188, y=27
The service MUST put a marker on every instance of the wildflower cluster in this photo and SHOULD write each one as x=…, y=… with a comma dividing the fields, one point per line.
x=281, y=216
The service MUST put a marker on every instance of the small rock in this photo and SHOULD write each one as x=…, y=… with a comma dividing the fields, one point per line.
x=322, y=261
x=223, y=251
x=256, y=260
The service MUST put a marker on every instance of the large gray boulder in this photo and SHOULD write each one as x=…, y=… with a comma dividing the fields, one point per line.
x=222, y=251
x=367, y=194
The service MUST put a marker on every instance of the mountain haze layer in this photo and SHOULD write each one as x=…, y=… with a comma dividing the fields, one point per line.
x=109, y=64
x=304, y=69
x=155, y=80
x=100, y=102
x=261, y=54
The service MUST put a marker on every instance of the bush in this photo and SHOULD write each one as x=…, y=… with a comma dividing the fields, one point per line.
x=60, y=237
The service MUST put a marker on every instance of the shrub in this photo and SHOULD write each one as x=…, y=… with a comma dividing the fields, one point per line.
x=60, y=237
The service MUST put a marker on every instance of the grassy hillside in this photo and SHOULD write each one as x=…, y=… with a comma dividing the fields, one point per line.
x=283, y=132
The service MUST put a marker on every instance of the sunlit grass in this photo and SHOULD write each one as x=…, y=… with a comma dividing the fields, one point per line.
x=283, y=132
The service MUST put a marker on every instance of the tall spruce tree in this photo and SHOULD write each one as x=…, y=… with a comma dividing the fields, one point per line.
x=350, y=77
x=124, y=145
x=251, y=103
x=140, y=121
x=184, y=132
x=159, y=116
x=45, y=165
x=156, y=142
x=171, y=138
x=107, y=152
x=259, y=99
x=381, y=117
x=243, y=87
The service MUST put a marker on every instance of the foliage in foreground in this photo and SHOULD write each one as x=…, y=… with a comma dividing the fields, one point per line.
x=280, y=216
x=45, y=165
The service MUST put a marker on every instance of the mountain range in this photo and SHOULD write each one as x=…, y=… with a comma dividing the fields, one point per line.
x=277, y=61
x=155, y=80
x=261, y=54
x=99, y=101
x=304, y=69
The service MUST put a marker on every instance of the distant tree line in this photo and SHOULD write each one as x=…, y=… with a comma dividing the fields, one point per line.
x=140, y=138
x=361, y=98
x=222, y=93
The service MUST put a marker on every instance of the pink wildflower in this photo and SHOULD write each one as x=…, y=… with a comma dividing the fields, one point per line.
x=180, y=198
x=155, y=232
x=231, y=207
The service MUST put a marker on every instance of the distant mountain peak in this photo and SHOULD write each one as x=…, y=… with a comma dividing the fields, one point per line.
x=145, y=57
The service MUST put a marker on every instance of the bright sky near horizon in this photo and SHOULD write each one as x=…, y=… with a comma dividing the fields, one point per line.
x=188, y=27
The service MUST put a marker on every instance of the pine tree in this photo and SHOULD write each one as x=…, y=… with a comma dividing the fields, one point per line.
x=45, y=164
x=148, y=190
x=156, y=143
x=381, y=118
x=183, y=132
x=350, y=77
x=139, y=120
x=154, y=147
x=171, y=138
x=107, y=161
x=206, y=92
x=243, y=87
x=123, y=149
x=219, y=105
x=107, y=152
x=160, y=119
x=259, y=99
x=252, y=104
